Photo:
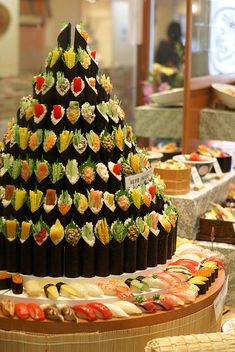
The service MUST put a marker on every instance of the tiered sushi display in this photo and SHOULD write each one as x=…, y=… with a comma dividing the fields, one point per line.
x=65, y=208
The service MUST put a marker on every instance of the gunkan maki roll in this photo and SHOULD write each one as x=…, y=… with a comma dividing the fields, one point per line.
x=11, y=231
x=18, y=203
x=93, y=141
x=40, y=114
x=64, y=144
x=107, y=145
x=164, y=229
x=65, y=203
x=35, y=144
x=115, y=178
x=6, y=200
x=80, y=146
x=102, y=176
x=27, y=174
x=34, y=202
x=88, y=117
x=49, y=145
x=95, y=201
x=57, y=118
x=102, y=119
x=24, y=135
x=152, y=221
x=42, y=173
x=80, y=37
x=54, y=61
x=62, y=89
x=70, y=60
x=72, y=175
x=90, y=90
x=123, y=201
x=77, y=90
x=109, y=207
x=73, y=114
x=57, y=176
x=14, y=171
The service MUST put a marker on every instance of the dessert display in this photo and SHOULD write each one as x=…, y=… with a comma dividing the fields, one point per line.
x=218, y=223
x=202, y=163
x=176, y=175
x=65, y=208
x=224, y=159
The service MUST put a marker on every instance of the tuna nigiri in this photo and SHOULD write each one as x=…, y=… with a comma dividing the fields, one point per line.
x=128, y=307
x=117, y=311
x=145, y=305
x=84, y=312
x=35, y=311
x=162, y=304
x=101, y=311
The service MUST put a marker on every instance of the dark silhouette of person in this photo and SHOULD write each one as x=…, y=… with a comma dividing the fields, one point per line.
x=171, y=50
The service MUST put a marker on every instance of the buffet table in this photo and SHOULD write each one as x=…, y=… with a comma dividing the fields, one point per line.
x=217, y=124
x=154, y=121
x=192, y=205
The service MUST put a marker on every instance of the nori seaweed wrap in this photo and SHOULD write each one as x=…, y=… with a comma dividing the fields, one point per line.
x=24, y=135
x=26, y=246
x=11, y=230
x=130, y=246
x=72, y=250
x=58, y=118
x=54, y=62
x=102, y=119
x=109, y=207
x=90, y=90
x=40, y=248
x=6, y=161
x=123, y=201
x=93, y=141
x=88, y=117
x=34, y=202
x=72, y=176
x=14, y=171
x=27, y=174
x=42, y=172
x=64, y=37
x=142, y=244
x=80, y=211
x=50, y=209
x=164, y=227
x=62, y=89
x=136, y=197
x=64, y=144
x=49, y=145
x=107, y=145
x=48, y=89
x=115, y=177
x=26, y=111
x=102, y=176
x=2, y=244
x=35, y=144
x=7, y=196
x=56, y=250
x=95, y=201
x=18, y=203
x=104, y=88
x=152, y=221
x=65, y=207
x=80, y=37
x=84, y=61
x=87, y=250
x=102, y=245
x=57, y=176
x=119, y=143
x=70, y=67
x=40, y=117
x=87, y=175
x=116, y=248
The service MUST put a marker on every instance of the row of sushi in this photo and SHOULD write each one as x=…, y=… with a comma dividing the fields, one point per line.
x=108, y=146
x=42, y=174
x=88, y=250
x=71, y=113
x=61, y=89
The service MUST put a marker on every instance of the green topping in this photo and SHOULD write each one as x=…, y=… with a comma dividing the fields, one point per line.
x=15, y=168
x=88, y=234
x=72, y=234
x=154, y=276
x=156, y=296
x=60, y=78
x=118, y=231
x=40, y=232
x=7, y=160
x=143, y=227
x=49, y=81
x=57, y=172
x=65, y=197
x=102, y=107
x=123, y=199
x=140, y=299
x=133, y=231
x=74, y=105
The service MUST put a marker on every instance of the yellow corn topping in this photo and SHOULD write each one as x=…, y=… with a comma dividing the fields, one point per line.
x=24, y=134
x=70, y=58
x=65, y=140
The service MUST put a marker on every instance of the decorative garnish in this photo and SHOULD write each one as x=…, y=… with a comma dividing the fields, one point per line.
x=140, y=299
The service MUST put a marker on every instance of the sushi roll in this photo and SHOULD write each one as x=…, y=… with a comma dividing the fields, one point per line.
x=50, y=210
x=81, y=37
x=40, y=248
x=88, y=117
x=109, y=207
x=6, y=200
x=72, y=175
x=213, y=264
x=102, y=119
x=14, y=171
x=27, y=174
x=57, y=116
x=95, y=201
x=77, y=90
x=134, y=161
x=39, y=80
x=136, y=197
x=102, y=176
x=115, y=179
x=64, y=37
x=5, y=280
x=80, y=146
x=90, y=90
x=26, y=247
x=103, y=235
x=11, y=230
x=104, y=88
x=118, y=233
x=62, y=89
x=17, y=284
x=207, y=272
x=65, y=203
x=152, y=221
x=32, y=288
x=24, y=135
x=119, y=143
x=48, y=89
x=164, y=229
x=142, y=244
x=84, y=61
x=81, y=206
x=49, y=145
x=88, y=250
x=200, y=283
x=126, y=169
x=57, y=176
x=35, y=144
x=88, y=173
x=128, y=135
x=39, y=117
x=51, y=292
x=70, y=60
x=145, y=202
x=64, y=144
x=42, y=173
x=123, y=201
x=73, y=114
x=130, y=246
x=72, y=250
x=54, y=61
x=56, y=250
x=18, y=203
x=14, y=140
x=26, y=111
x=94, y=145
x=94, y=64
x=34, y=202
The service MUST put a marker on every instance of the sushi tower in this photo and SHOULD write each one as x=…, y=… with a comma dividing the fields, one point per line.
x=65, y=207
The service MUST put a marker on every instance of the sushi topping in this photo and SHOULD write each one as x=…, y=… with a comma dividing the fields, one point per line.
x=109, y=201
x=35, y=311
x=142, y=227
x=164, y=221
x=102, y=231
x=71, y=171
x=84, y=58
x=41, y=170
x=51, y=291
x=93, y=54
x=107, y=141
x=24, y=135
x=64, y=140
x=70, y=58
x=123, y=199
x=81, y=30
x=119, y=139
x=19, y=198
x=87, y=112
x=62, y=84
x=57, y=172
x=39, y=81
x=49, y=140
x=35, y=139
x=79, y=142
x=135, y=162
x=152, y=221
x=95, y=200
x=77, y=85
x=26, y=229
x=57, y=114
x=132, y=229
x=91, y=81
x=21, y=310
x=102, y=171
x=9, y=192
x=105, y=83
x=147, y=199
x=53, y=57
x=17, y=284
x=102, y=108
x=57, y=232
x=49, y=82
x=152, y=190
x=112, y=106
x=101, y=311
x=136, y=197
x=85, y=312
x=73, y=112
x=50, y=200
x=15, y=169
x=117, y=288
x=72, y=234
x=64, y=202
x=34, y=200
x=115, y=169
x=7, y=307
x=87, y=171
x=52, y=312
x=40, y=232
x=88, y=234
x=126, y=169
x=27, y=107
x=118, y=231
x=81, y=202
x=93, y=141
x=68, y=313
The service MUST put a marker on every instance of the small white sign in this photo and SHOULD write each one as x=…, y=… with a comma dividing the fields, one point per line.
x=138, y=179
x=217, y=168
x=220, y=299
x=196, y=178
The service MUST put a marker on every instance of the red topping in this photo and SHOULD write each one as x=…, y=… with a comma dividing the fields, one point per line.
x=35, y=311
x=117, y=169
x=93, y=54
x=39, y=80
x=195, y=157
x=57, y=112
x=38, y=109
x=21, y=310
x=223, y=155
x=40, y=237
x=77, y=84
x=152, y=190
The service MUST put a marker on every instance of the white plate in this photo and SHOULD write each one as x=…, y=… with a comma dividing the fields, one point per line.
x=170, y=97
x=154, y=155
x=229, y=326
x=184, y=158
x=222, y=92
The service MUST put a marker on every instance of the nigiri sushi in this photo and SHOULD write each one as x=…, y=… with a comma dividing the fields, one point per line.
x=68, y=313
x=161, y=303
x=145, y=281
x=128, y=307
x=186, y=297
x=179, y=277
x=135, y=285
x=79, y=289
x=84, y=312
x=101, y=311
x=115, y=288
x=52, y=312
x=158, y=283
x=93, y=290
x=190, y=256
x=117, y=311
x=168, y=278
x=51, y=291
x=145, y=305
x=32, y=288
x=174, y=300
x=66, y=290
